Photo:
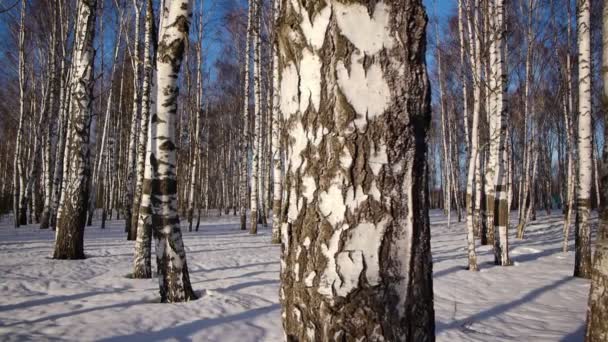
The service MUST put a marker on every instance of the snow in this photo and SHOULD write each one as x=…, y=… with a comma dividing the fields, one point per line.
x=237, y=275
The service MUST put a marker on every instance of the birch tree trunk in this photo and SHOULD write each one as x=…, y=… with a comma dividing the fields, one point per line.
x=48, y=172
x=568, y=109
x=142, y=265
x=277, y=171
x=356, y=261
x=473, y=167
x=64, y=99
x=501, y=215
x=71, y=222
x=245, y=136
x=445, y=143
x=255, y=159
x=159, y=197
x=17, y=166
x=197, y=121
x=597, y=310
x=582, y=256
x=133, y=136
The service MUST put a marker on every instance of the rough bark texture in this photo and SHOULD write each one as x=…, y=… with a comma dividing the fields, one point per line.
x=568, y=108
x=597, y=311
x=501, y=208
x=71, y=222
x=142, y=264
x=130, y=182
x=255, y=158
x=245, y=136
x=276, y=135
x=582, y=256
x=17, y=165
x=159, y=195
x=356, y=261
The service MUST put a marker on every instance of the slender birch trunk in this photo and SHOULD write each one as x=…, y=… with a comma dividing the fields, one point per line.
x=597, y=310
x=530, y=148
x=582, y=256
x=245, y=135
x=568, y=110
x=255, y=159
x=142, y=265
x=71, y=223
x=197, y=113
x=447, y=174
x=64, y=99
x=133, y=136
x=277, y=171
x=501, y=215
x=48, y=172
x=17, y=166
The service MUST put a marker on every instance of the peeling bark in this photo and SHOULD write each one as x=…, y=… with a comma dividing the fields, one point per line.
x=356, y=261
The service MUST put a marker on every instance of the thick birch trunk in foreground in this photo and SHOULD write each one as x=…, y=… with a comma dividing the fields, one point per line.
x=142, y=265
x=597, y=311
x=75, y=191
x=582, y=256
x=356, y=262
x=159, y=197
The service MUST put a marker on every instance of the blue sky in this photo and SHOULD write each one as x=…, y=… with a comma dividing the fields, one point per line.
x=441, y=7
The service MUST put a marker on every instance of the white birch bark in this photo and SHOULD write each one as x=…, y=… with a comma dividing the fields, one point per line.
x=245, y=136
x=597, y=311
x=501, y=216
x=582, y=256
x=75, y=192
x=277, y=171
x=133, y=135
x=197, y=121
x=355, y=261
x=48, y=170
x=255, y=159
x=159, y=197
x=17, y=165
x=568, y=110
x=142, y=265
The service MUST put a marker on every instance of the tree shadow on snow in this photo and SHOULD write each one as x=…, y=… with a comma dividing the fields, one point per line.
x=184, y=331
x=55, y=317
x=53, y=300
x=240, y=286
x=500, y=309
x=575, y=336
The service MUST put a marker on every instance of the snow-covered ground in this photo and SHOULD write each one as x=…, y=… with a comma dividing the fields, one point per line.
x=237, y=276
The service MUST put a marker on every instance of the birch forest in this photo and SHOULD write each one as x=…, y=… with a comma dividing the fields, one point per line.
x=304, y=170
